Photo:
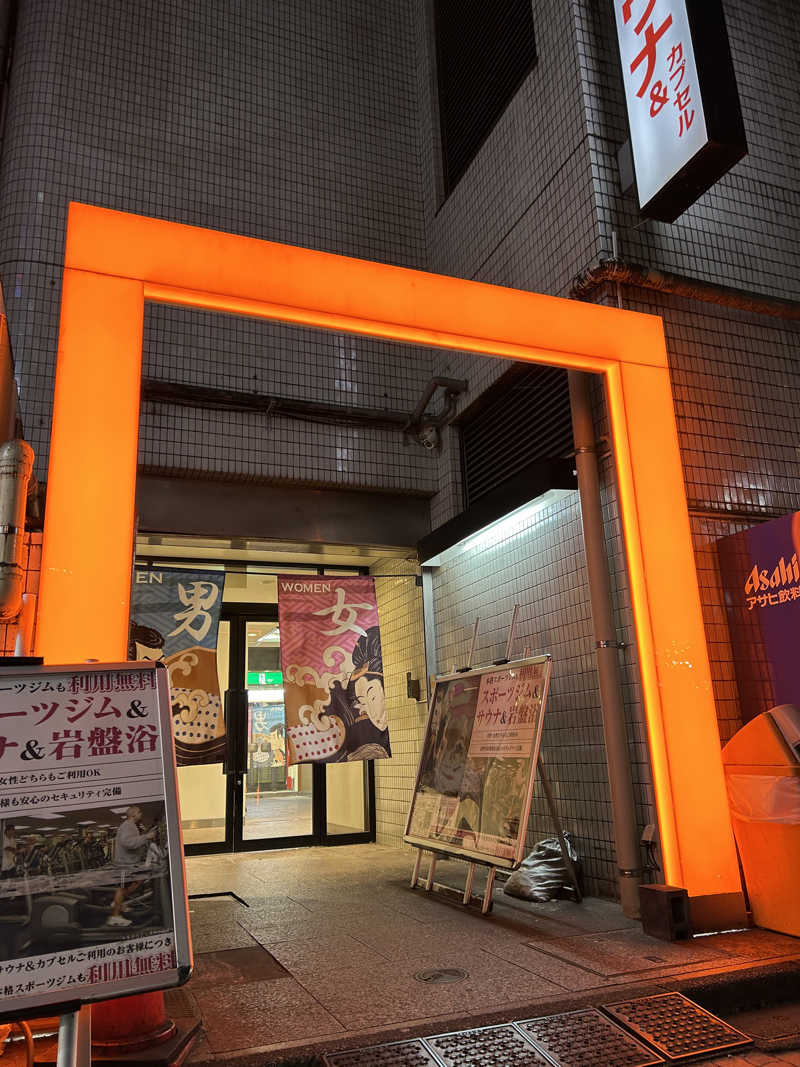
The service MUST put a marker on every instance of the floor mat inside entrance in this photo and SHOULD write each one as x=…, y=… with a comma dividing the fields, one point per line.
x=587, y=1039
x=676, y=1026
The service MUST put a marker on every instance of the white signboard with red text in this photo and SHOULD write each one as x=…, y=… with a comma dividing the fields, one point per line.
x=92, y=895
x=680, y=90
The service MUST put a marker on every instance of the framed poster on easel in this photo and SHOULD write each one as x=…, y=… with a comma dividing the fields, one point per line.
x=475, y=780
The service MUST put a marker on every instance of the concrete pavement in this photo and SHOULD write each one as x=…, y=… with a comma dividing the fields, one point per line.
x=312, y=949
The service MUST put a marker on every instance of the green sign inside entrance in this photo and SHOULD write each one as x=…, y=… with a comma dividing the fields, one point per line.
x=268, y=678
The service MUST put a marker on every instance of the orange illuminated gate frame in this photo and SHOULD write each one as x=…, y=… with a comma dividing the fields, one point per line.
x=115, y=262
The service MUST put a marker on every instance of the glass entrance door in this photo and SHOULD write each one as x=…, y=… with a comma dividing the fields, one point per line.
x=277, y=799
x=256, y=800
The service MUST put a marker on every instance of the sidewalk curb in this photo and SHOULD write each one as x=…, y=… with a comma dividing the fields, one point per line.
x=722, y=993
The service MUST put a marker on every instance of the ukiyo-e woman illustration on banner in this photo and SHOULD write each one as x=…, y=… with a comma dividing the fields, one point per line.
x=332, y=670
x=175, y=618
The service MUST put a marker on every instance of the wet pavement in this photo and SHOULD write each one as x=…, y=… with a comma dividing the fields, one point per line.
x=312, y=949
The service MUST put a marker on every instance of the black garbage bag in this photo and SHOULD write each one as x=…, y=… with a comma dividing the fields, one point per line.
x=543, y=874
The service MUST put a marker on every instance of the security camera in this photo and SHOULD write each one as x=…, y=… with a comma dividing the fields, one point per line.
x=429, y=437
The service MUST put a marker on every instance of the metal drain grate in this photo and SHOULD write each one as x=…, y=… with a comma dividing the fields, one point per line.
x=441, y=975
x=676, y=1026
x=586, y=1039
x=399, y=1054
x=491, y=1046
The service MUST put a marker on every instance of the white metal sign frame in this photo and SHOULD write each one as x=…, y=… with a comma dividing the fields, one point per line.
x=51, y=772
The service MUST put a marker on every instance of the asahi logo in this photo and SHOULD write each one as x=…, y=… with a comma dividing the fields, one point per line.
x=784, y=574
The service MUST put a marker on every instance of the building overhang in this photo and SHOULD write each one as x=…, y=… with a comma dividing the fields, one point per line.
x=532, y=483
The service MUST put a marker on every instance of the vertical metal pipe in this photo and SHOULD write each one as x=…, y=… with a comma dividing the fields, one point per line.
x=562, y=841
x=429, y=623
x=511, y=629
x=67, y=1054
x=24, y=639
x=626, y=836
x=472, y=646
x=615, y=257
x=74, y=1039
x=16, y=465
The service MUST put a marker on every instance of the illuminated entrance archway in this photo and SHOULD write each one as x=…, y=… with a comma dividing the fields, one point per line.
x=115, y=262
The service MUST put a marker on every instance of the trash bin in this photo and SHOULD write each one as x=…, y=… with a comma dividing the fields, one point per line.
x=762, y=772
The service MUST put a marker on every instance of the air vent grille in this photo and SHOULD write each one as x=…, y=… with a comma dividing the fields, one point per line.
x=483, y=52
x=524, y=417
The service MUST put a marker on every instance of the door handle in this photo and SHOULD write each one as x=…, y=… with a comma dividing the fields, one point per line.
x=235, y=732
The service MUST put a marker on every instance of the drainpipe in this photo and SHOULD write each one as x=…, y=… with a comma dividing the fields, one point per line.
x=626, y=835
x=661, y=281
x=16, y=464
x=23, y=644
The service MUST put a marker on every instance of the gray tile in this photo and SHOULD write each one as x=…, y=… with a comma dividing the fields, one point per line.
x=262, y=1013
x=216, y=938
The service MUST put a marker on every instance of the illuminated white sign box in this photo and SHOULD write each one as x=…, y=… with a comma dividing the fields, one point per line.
x=683, y=104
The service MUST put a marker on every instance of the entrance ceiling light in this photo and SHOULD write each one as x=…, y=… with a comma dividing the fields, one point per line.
x=531, y=483
x=494, y=533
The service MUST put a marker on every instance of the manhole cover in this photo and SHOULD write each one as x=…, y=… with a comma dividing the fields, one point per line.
x=586, y=1039
x=441, y=975
x=676, y=1026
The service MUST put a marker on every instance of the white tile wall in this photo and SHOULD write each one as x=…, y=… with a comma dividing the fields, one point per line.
x=400, y=613
x=292, y=122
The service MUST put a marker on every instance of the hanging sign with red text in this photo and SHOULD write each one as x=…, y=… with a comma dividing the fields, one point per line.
x=93, y=893
x=682, y=101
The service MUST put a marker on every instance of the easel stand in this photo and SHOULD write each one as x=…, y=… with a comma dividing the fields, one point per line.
x=75, y=1038
x=486, y=904
x=467, y=898
x=573, y=878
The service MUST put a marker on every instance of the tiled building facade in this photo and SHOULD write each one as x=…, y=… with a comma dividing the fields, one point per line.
x=315, y=124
